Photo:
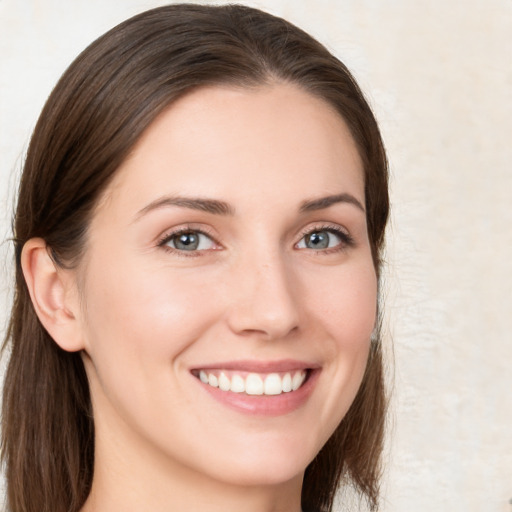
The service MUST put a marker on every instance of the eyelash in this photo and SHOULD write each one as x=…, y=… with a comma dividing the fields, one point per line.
x=164, y=240
x=346, y=240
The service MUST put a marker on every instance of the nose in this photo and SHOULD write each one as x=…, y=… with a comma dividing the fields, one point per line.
x=264, y=303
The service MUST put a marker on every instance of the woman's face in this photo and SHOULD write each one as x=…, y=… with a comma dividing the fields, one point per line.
x=230, y=250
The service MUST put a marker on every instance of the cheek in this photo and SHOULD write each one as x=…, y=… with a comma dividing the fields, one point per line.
x=344, y=307
x=145, y=314
x=345, y=303
x=353, y=323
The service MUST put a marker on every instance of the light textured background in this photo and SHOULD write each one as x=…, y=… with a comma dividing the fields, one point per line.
x=439, y=76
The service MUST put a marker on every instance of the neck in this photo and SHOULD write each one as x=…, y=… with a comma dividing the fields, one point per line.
x=132, y=477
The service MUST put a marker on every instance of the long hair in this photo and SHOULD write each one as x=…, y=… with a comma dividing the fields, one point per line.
x=98, y=110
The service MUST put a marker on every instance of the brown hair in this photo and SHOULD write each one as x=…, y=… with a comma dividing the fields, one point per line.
x=98, y=110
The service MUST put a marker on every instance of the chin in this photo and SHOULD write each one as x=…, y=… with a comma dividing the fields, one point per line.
x=264, y=473
x=265, y=463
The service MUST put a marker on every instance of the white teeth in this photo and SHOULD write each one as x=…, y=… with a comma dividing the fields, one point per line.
x=237, y=384
x=255, y=384
x=273, y=385
x=287, y=383
x=224, y=382
x=297, y=380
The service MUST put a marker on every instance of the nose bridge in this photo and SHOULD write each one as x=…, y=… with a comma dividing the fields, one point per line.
x=265, y=302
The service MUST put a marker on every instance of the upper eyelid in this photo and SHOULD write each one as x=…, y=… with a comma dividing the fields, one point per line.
x=168, y=234
x=326, y=226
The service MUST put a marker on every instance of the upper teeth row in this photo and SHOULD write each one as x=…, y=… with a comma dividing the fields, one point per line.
x=254, y=384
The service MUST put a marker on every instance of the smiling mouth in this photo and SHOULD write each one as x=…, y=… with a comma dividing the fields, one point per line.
x=254, y=384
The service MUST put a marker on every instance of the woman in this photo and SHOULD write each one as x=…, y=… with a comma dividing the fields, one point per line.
x=197, y=240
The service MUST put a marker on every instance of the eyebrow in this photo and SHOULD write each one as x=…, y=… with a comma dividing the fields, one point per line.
x=213, y=206
x=216, y=207
x=325, y=202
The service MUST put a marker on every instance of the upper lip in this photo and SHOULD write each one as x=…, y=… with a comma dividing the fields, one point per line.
x=254, y=366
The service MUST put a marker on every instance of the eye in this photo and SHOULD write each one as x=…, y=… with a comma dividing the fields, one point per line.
x=189, y=240
x=325, y=238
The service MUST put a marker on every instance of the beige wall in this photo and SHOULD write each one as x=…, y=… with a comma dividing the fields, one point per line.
x=439, y=75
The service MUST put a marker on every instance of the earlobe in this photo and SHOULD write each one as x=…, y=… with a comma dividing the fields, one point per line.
x=53, y=294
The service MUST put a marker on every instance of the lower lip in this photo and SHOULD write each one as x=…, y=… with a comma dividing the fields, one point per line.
x=265, y=405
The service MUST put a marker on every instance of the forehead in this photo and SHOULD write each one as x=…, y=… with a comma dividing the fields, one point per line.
x=235, y=143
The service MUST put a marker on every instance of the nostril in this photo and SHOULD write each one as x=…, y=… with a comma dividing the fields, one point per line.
x=259, y=319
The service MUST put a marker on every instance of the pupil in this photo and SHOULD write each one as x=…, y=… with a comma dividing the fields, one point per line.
x=187, y=241
x=319, y=240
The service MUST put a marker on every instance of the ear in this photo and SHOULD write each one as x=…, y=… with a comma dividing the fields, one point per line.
x=54, y=295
